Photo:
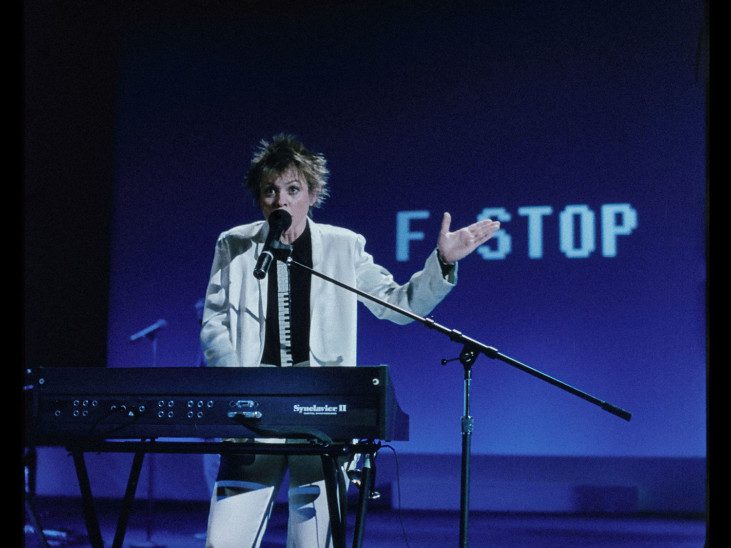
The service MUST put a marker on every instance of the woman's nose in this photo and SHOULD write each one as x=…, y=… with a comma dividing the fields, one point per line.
x=280, y=199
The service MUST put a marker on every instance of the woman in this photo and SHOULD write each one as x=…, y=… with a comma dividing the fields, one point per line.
x=242, y=324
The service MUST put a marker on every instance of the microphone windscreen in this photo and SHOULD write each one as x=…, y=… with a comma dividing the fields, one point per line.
x=280, y=219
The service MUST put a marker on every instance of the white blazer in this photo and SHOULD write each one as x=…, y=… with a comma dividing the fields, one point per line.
x=234, y=317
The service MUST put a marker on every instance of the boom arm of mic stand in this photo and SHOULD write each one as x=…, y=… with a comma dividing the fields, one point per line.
x=474, y=345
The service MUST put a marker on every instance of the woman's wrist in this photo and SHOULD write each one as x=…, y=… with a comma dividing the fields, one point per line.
x=446, y=267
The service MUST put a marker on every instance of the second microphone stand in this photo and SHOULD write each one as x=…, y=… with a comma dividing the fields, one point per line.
x=149, y=542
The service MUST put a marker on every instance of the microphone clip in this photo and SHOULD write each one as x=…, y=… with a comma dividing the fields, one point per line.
x=281, y=251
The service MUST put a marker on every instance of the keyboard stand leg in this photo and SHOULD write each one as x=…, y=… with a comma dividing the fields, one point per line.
x=92, y=522
x=129, y=495
x=337, y=513
x=30, y=463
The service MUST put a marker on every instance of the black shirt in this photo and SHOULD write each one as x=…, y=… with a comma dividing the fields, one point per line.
x=299, y=283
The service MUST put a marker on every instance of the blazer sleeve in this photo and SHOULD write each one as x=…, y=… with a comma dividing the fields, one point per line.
x=420, y=295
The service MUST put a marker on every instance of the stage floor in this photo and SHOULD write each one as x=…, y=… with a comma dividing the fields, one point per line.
x=182, y=525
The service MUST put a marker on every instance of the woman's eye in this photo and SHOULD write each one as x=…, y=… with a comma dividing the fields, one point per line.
x=294, y=189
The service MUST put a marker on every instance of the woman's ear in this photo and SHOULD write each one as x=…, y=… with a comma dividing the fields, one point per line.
x=313, y=197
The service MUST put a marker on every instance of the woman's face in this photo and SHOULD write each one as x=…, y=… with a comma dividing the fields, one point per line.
x=289, y=191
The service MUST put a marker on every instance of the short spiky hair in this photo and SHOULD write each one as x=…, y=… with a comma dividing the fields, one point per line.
x=281, y=153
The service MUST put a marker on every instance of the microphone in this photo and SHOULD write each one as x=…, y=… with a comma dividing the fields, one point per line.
x=148, y=331
x=279, y=221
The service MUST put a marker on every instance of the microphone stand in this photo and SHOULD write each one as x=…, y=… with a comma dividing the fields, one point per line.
x=471, y=349
x=148, y=542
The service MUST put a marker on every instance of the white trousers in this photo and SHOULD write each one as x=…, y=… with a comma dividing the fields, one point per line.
x=245, y=492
